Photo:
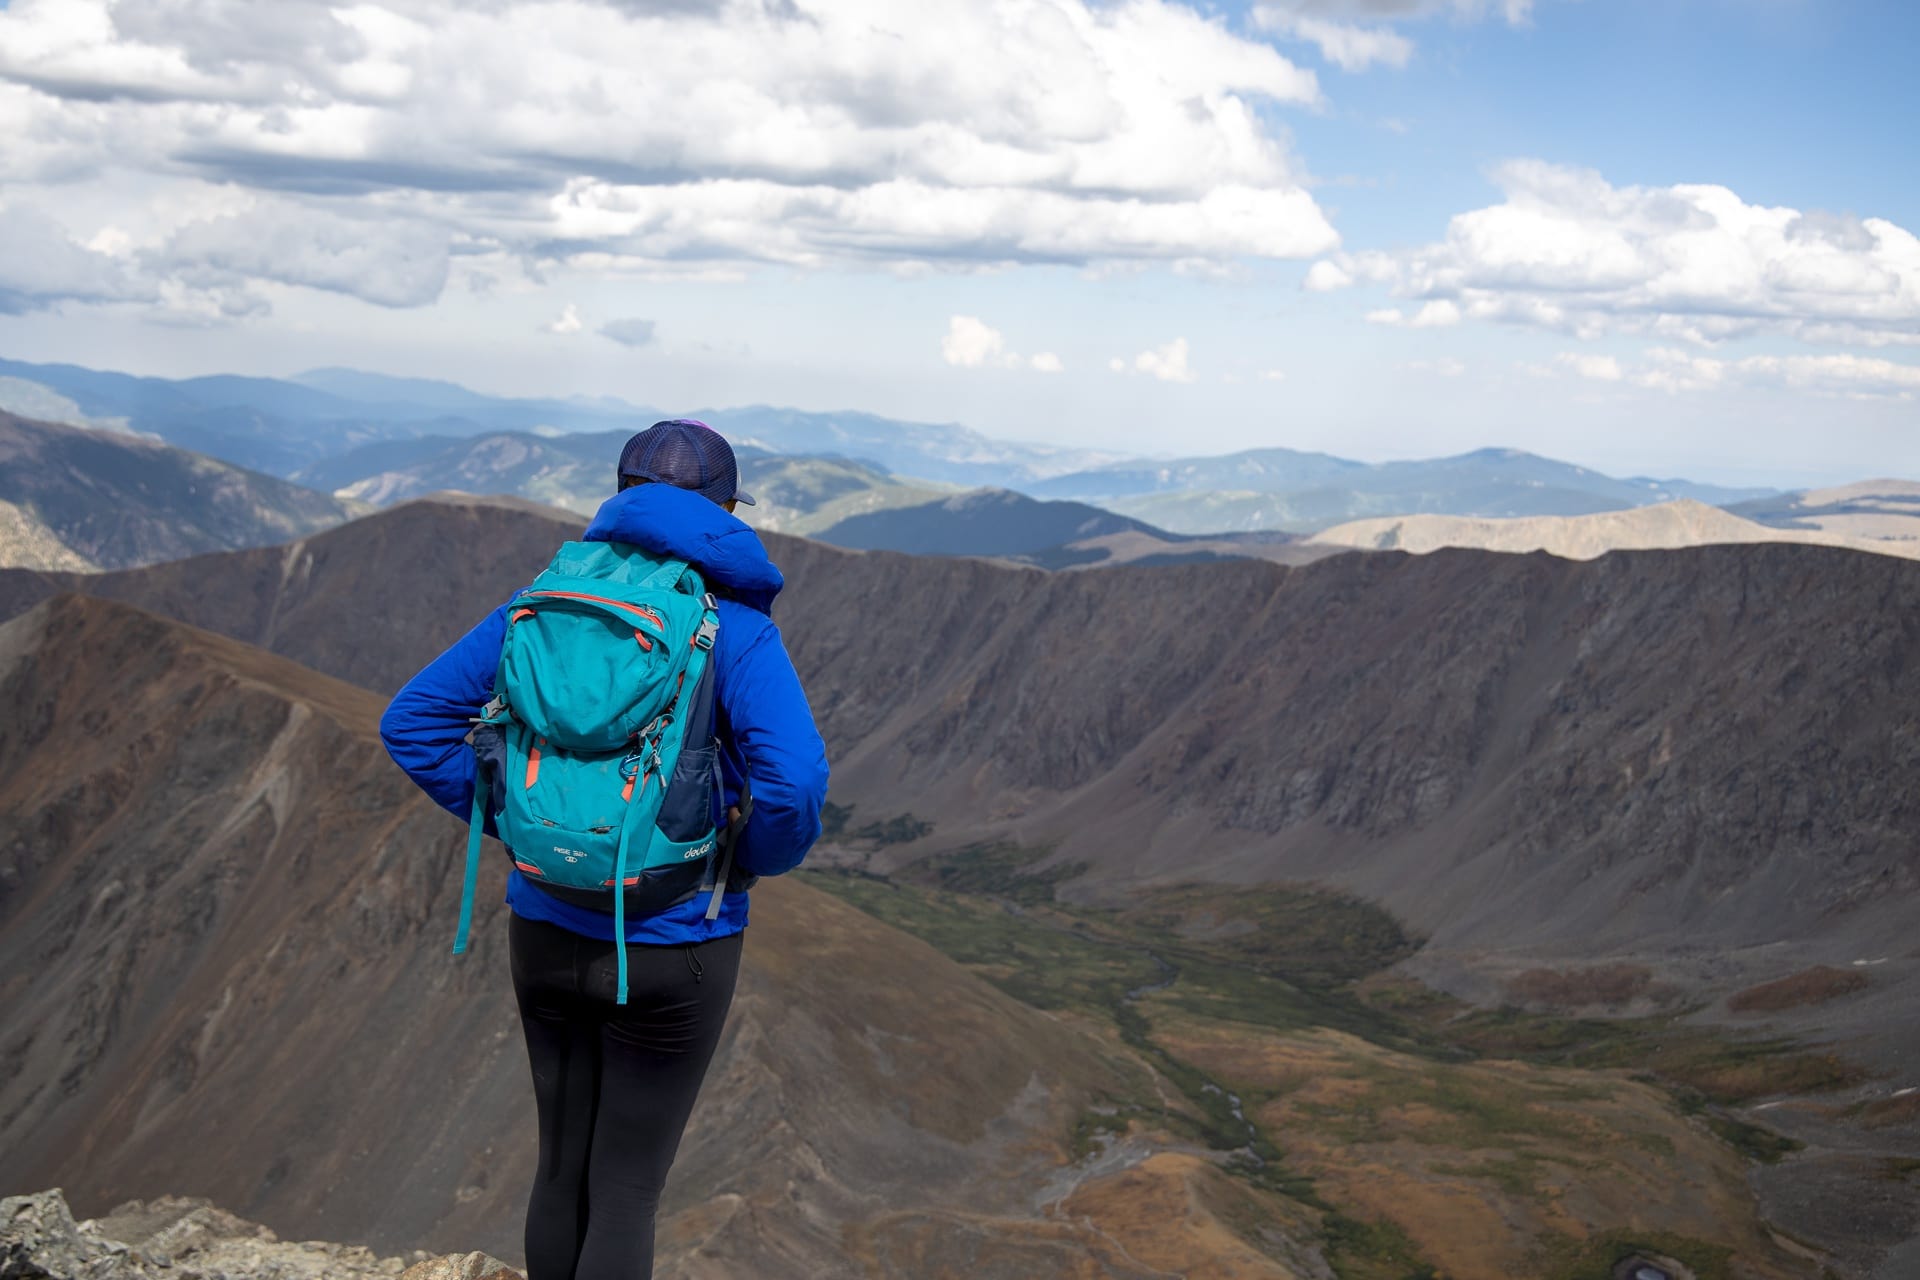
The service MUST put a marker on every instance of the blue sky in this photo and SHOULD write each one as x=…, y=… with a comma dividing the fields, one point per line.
x=1659, y=238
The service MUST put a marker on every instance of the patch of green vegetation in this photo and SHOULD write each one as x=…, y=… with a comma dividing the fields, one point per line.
x=1562, y=1258
x=1312, y=937
x=1518, y=1176
x=1900, y=1169
x=998, y=870
x=1048, y=968
x=1722, y=1068
x=1376, y=1250
x=902, y=828
x=1761, y=1145
x=834, y=819
x=836, y=823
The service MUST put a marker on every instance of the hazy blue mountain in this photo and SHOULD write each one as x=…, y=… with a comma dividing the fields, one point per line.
x=1305, y=492
x=381, y=388
x=793, y=494
x=1253, y=470
x=986, y=522
x=945, y=452
x=338, y=428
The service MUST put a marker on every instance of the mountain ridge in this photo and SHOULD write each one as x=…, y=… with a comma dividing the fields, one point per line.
x=114, y=500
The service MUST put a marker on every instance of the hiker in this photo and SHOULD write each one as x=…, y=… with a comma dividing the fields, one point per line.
x=622, y=996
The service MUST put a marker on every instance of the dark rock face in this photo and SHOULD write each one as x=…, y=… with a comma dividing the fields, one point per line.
x=1701, y=747
x=121, y=500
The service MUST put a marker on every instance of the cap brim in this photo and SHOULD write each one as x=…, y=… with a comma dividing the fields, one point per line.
x=747, y=498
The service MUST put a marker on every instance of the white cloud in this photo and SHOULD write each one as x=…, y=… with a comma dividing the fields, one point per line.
x=630, y=332
x=1273, y=375
x=1348, y=47
x=1055, y=131
x=567, y=322
x=41, y=265
x=1334, y=26
x=1167, y=362
x=972, y=343
x=1325, y=277
x=1387, y=316
x=403, y=265
x=1598, y=368
x=1444, y=367
x=1567, y=251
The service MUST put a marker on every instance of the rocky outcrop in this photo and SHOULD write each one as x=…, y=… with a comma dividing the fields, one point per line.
x=176, y=1238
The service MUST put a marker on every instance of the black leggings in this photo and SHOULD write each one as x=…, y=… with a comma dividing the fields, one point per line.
x=614, y=1084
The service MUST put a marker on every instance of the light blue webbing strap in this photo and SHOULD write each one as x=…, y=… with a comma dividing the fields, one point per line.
x=627, y=825
x=476, y=828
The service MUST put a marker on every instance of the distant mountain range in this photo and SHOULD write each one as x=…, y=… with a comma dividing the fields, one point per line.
x=1049, y=534
x=285, y=426
x=1305, y=492
x=387, y=438
x=74, y=498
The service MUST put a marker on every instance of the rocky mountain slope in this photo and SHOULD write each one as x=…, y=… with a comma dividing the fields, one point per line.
x=225, y=920
x=1668, y=525
x=1878, y=509
x=1474, y=739
x=72, y=497
x=1456, y=734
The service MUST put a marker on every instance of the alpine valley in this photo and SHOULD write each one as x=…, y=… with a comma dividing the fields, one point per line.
x=1465, y=914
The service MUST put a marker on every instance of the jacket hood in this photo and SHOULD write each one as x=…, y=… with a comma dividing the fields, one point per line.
x=678, y=522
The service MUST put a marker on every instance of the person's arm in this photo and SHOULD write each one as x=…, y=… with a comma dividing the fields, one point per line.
x=772, y=728
x=426, y=725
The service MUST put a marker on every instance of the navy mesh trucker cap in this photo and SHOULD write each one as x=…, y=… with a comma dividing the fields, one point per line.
x=685, y=453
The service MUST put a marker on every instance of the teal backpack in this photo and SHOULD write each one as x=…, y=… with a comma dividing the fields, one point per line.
x=597, y=757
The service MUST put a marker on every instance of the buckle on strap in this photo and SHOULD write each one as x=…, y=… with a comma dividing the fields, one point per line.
x=709, y=628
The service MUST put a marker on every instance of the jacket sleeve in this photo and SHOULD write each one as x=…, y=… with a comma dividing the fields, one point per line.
x=772, y=728
x=425, y=726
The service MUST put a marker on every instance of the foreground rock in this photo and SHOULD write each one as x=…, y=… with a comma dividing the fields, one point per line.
x=176, y=1238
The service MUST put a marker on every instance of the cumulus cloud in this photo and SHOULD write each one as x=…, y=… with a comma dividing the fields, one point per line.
x=1325, y=277
x=1061, y=131
x=1567, y=251
x=397, y=265
x=1167, y=362
x=567, y=322
x=972, y=343
x=632, y=332
x=42, y=266
x=1598, y=368
x=1437, y=314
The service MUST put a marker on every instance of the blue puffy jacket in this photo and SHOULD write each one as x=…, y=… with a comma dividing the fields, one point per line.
x=766, y=727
